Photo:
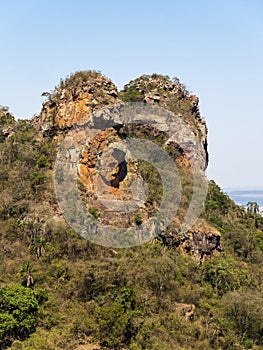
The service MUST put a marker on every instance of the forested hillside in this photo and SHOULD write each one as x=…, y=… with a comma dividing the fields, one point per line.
x=59, y=291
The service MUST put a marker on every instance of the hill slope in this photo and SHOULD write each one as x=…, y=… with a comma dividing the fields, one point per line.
x=59, y=291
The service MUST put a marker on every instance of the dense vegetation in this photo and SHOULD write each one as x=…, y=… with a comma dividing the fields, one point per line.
x=57, y=290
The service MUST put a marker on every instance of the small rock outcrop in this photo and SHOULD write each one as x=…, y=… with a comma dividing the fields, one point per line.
x=7, y=122
x=201, y=241
x=186, y=310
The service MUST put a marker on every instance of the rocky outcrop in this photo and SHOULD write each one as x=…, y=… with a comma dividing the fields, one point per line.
x=74, y=99
x=78, y=101
x=185, y=310
x=170, y=94
x=7, y=122
x=201, y=241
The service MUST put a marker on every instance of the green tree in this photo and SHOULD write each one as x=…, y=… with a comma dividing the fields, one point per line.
x=245, y=311
x=18, y=313
x=224, y=274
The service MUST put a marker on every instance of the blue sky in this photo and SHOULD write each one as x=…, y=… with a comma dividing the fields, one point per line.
x=214, y=47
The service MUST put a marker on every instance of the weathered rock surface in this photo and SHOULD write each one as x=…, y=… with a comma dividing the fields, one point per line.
x=200, y=241
x=73, y=100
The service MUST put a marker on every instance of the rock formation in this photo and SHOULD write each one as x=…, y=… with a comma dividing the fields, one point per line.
x=81, y=95
x=74, y=99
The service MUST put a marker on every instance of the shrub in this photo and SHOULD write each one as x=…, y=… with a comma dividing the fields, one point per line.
x=37, y=178
x=94, y=212
x=42, y=162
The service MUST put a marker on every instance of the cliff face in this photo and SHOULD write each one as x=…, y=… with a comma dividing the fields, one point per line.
x=173, y=96
x=81, y=94
x=74, y=99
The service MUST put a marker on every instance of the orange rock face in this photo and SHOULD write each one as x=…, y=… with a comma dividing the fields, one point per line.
x=75, y=98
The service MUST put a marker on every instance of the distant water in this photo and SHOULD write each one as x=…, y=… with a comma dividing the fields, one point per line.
x=242, y=197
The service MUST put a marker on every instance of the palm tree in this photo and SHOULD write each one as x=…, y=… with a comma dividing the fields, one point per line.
x=26, y=273
x=253, y=208
x=240, y=211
